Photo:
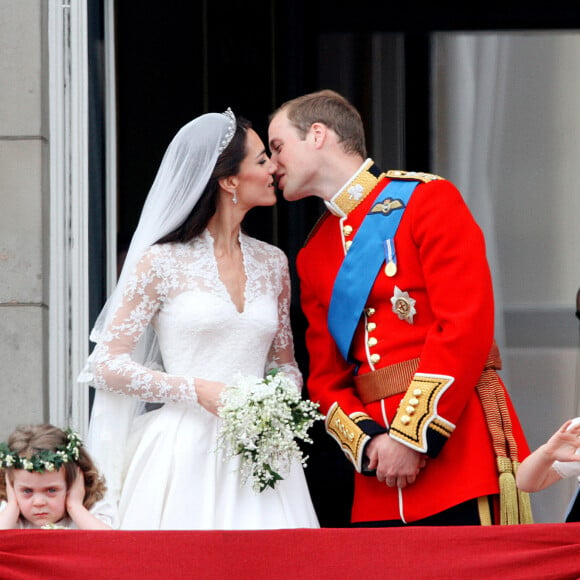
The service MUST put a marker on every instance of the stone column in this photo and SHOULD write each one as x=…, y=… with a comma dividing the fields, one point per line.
x=23, y=213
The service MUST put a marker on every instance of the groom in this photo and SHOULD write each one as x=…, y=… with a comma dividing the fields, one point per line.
x=398, y=296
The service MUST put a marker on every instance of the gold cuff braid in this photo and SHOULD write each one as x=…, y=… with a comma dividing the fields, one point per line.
x=348, y=434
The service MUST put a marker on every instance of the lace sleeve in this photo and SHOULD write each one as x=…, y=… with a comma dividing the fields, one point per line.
x=111, y=364
x=282, y=351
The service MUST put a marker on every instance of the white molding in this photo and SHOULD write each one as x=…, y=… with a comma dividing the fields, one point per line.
x=111, y=145
x=68, y=161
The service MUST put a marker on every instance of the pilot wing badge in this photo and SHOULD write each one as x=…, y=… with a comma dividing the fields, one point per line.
x=387, y=206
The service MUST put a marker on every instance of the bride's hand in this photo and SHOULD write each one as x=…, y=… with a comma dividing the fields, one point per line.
x=208, y=394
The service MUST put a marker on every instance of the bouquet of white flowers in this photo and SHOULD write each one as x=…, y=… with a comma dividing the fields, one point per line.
x=261, y=420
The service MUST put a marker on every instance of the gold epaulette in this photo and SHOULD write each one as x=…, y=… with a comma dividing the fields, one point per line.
x=412, y=175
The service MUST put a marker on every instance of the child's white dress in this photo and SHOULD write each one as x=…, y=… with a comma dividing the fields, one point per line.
x=102, y=510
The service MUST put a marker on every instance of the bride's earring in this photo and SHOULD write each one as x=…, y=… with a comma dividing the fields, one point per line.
x=235, y=197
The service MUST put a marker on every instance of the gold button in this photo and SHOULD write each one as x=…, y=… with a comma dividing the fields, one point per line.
x=372, y=341
x=414, y=402
x=347, y=230
x=371, y=326
x=375, y=358
x=370, y=311
x=410, y=410
x=405, y=419
x=347, y=245
x=417, y=392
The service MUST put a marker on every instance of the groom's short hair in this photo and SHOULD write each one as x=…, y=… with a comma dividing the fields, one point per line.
x=331, y=109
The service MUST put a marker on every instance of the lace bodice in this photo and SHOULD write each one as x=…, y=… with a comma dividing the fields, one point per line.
x=176, y=288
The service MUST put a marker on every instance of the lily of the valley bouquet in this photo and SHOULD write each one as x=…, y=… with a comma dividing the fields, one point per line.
x=261, y=421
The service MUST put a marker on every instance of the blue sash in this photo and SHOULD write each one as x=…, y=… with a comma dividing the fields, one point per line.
x=362, y=263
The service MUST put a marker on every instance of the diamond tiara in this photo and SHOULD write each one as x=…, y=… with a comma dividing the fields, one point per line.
x=229, y=114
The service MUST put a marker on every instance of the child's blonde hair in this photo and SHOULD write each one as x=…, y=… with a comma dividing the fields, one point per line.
x=27, y=440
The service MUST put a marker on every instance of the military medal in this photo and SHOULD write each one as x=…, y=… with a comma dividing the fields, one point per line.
x=390, y=269
x=391, y=266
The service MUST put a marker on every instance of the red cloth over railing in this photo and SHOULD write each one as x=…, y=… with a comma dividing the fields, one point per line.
x=536, y=551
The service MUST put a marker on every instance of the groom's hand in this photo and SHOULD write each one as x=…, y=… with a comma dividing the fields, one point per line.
x=395, y=463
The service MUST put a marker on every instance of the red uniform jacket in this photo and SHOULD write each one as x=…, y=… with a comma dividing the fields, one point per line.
x=442, y=267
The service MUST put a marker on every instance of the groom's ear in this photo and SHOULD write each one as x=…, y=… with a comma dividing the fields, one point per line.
x=319, y=134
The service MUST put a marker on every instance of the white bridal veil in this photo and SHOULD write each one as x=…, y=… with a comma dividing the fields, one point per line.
x=181, y=179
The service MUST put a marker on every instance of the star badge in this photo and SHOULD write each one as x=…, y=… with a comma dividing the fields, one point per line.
x=403, y=305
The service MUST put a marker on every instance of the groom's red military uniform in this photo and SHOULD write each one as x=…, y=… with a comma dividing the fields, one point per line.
x=418, y=351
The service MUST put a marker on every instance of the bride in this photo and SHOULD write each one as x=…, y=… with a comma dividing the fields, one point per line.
x=198, y=302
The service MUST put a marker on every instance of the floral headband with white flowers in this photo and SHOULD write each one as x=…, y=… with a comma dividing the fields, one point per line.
x=44, y=459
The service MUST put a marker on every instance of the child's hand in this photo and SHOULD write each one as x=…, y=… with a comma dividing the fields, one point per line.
x=76, y=509
x=10, y=494
x=10, y=514
x=564, y=443
x=76, y=493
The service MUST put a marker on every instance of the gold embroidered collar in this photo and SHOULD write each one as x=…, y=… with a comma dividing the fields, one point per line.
x=354, y=191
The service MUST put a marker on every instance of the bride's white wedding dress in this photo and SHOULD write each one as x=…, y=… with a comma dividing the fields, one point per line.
x=174, y=477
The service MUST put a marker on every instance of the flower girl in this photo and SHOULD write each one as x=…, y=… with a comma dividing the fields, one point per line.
x=48, y=480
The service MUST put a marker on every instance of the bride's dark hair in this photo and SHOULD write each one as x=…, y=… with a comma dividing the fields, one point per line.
x=228, y=164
